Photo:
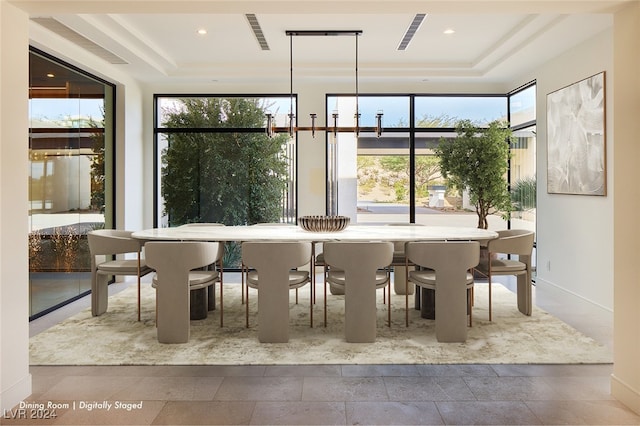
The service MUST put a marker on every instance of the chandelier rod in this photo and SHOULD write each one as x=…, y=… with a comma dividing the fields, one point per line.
x=271, y=129
x=357, y=117
x=291, y=116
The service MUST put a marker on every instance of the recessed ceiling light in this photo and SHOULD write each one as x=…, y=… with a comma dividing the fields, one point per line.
x=449, y=31
x=50, y=75
x=202, y=31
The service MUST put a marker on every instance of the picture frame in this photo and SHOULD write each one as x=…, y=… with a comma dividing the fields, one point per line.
x=576, y=138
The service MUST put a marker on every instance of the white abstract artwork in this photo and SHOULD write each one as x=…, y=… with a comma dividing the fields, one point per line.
x=576, y=160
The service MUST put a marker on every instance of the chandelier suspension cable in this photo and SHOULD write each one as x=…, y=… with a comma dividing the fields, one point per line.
x=291, y=84
x=357, y=117
x=291, y=128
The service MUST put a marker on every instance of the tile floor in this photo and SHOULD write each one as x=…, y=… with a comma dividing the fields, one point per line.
x=324, y=394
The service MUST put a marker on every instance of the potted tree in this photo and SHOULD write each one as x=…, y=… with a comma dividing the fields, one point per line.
x=476, y=161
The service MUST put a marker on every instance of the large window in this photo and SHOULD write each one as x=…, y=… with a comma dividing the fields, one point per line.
x=522, y=170
x=396, y=177
x=216, y=163
x=70, y=181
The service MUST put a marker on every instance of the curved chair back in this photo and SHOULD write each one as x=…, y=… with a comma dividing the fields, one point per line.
x=112, y=241
x=360, y=261
x=273, y=260
x=512, y=241
x=172, y=261
x=451, y=260
x=109, y=242
x=441, y=255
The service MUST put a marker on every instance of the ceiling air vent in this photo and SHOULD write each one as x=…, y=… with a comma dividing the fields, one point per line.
x=257, y=31
x=411, y=31
x=78, y=39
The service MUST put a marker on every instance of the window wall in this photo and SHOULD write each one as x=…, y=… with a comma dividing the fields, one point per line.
x=70, y=181
x=215, y=162
x=522, y=170
x=396, y=177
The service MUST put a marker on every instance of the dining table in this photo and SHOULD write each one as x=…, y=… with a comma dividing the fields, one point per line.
x=353, y=233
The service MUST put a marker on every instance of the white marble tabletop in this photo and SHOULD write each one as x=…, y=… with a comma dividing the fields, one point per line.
x=295, y=233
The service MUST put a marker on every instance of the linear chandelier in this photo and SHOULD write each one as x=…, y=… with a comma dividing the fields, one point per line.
x=292, y=128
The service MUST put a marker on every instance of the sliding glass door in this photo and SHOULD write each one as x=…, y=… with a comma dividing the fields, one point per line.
x=71, y=179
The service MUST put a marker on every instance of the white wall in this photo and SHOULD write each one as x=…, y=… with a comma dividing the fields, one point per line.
x=575, y=232
x=592, y=242
x=15, y=380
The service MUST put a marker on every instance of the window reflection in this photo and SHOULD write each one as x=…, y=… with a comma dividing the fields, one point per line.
x=68, y=142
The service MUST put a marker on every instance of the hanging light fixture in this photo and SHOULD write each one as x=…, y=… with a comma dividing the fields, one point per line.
x=292, y=128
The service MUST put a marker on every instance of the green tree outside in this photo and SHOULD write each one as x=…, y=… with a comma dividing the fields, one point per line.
x=476, y=161
x=235, y=178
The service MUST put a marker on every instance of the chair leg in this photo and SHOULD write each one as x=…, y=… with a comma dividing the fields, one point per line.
x=221, y=293
x=473, y=296
x=311, y=297
x=406, y=295
x=242, y=283
x=221, y=302
x=138, y=285
x=490, y=298
x=470, y=306
x=138, y=297
x=246, y=301
x=312, y=271
x=325, y=295
x=389, y=304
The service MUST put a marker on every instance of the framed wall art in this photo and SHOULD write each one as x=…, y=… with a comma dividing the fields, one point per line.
x=576, y=157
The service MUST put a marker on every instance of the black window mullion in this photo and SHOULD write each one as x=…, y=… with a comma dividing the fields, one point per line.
x=412, y=160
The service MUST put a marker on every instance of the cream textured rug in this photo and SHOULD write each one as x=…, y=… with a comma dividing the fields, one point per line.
x=116, y=338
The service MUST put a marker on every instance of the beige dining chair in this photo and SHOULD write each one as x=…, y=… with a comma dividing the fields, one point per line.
x=360, y=263
x=218, y=266
x=174, y=262
x=426, y=253
x=337, y=279
x=271, y=268
x=450, y=262
x=400, y=263
x=108, y=243
x=510, y=242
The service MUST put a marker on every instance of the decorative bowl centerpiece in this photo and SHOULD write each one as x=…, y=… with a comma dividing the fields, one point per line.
x=323, y=223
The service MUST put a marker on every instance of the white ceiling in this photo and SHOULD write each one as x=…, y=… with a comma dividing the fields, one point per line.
x=493, y=41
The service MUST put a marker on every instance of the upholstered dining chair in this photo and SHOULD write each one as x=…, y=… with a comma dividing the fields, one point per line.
x=337, y=278
x=400, y=263
x=510, y=242
x=271, y=268
x=174, y=262
x=218, y=266
x=425, y=253
x=448, y=264
x=108, y=243
x=360, y=263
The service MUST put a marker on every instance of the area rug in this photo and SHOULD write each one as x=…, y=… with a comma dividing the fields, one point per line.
x=116, y=338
